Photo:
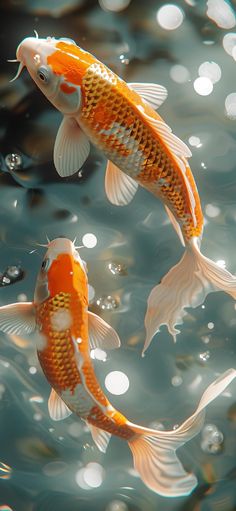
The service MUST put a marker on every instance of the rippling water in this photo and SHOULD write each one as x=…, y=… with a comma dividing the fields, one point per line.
x=46, y=466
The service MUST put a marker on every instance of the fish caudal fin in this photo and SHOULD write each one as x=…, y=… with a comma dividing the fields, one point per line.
x=154, y=453
x=186, y=285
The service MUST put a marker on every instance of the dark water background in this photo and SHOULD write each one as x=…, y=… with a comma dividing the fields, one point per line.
x=43, y=457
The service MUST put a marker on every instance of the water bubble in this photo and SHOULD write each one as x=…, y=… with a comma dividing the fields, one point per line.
x=204, y=357
x=13, y=161
x=176, y=381
x=89, y=240
x=98, y=354
x=90, y=476
x=5, y=471
x=210, y=325
x=114, y=5
x=212, y=439
x=117, y=268
x=170, y=17
x=33, y=370
x=229, y=42
x=36, y=399
x=11, y=275
x=38, y=416
x=195, y=141
x=203, y=86
x=22, y=297
x=221, y=13
x=117, y=383
x=230, y=105
x=221, y=263
x=107, y=302
x=210, y=70
x=75, y=429
x=212, y=211
x=179, y=74
x=117, y=505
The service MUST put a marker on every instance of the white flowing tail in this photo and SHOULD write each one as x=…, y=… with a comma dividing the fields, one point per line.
x=154, y=451
x=186, y=285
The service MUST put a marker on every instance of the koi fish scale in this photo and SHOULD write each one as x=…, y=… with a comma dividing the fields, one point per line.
x=57, y=359
x=114, y=124
x=117, y=425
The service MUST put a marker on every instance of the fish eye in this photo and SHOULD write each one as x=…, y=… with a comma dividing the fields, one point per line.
x=67, y=40
x=43, y=74
x=45, y=264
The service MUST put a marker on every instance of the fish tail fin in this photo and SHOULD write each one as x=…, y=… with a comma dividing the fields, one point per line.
x=154, y=452
x=185, y=285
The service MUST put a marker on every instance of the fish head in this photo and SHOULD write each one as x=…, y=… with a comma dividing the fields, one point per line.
x=57, y=66
x=62, y=271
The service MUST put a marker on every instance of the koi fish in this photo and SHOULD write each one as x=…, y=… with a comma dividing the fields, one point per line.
x=120, y=120
x=67, y=331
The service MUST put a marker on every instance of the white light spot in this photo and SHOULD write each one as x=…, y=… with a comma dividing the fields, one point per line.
x=210, y=70
x=221, y=13
x=170, y=16
x=210, y=326
x=203, y=86
x=98, y=354
x=212, y=211
x=75, y=429
x=221, y=263
x=22, y=297
x=89, y=240
x=179, y=74
x=90, y=476
x=229, y=43
x=36, y=399
x=230, y=105
x=117, y=383
x=114, y=5
x=38, y=416
x=32, y=370
x=61, y=320
x=195, y=141
x=176, y=381
x=116, y=505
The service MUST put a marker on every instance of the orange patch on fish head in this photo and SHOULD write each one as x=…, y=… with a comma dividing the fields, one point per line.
x=66, y=275
x=70, y=61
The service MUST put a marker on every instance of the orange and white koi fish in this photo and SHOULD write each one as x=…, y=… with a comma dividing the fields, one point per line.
x=67, y=331
x=120, y=119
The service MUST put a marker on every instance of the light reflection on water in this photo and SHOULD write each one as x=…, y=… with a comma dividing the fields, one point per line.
x=127, y=251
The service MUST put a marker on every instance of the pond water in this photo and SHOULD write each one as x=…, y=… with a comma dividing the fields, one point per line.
x=190, y=48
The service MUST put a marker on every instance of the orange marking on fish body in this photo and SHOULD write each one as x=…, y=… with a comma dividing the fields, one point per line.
x=111, y=425
x=67, y=88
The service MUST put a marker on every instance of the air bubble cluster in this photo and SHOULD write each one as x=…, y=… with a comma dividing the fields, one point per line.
x=212, y=439
x=11, y=275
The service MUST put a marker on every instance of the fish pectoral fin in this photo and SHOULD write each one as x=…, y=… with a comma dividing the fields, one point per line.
x=17, y=318
x=58, y=410
x=100, y=437
x=152, y=93
x=71, y=148
x=120, y=188
x=101, y=335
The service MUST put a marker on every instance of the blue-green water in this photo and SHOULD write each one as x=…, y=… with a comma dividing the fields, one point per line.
x=46, y=460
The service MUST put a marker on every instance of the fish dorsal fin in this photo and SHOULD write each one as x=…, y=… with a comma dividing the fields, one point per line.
x=71, y=148
x=175, y=225
x=174, y=143
x=120, y=188
x=151, y=93
x=17, y=318
x=101, y=335
x=58, y=410
x=100, y=437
